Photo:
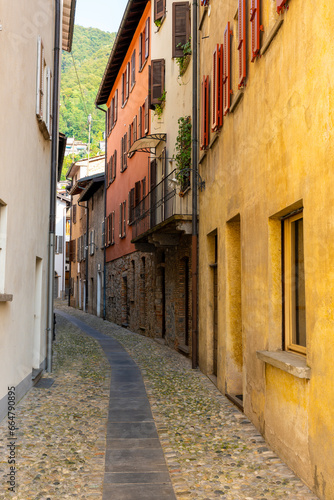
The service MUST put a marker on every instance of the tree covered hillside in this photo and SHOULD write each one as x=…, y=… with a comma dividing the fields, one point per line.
x=90, y=50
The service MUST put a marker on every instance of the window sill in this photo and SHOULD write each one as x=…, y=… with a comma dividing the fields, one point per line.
x=287, y=362
x=239, y=95
x=184, y=348
x=6, y=297
x=271, y=36
x=143, y=66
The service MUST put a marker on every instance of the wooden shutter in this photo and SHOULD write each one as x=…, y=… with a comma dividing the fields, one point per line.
x=157, y=80
x=133, y=68
x=134, y=128
x=137, y=191
x=123, y=95
x=125, y=142
x=112, y=107
x=140, y=59
x=227, y=69
x=74, y=214
x=109, y=225
x=205, y=113
x=242, y=42
x=108, y=120
x=147, y=37
x=147, y=125
x=122, y=154
x=115, y=164
x=131, y=205
x=112, y=228
x=143, y=182
x=120, y=219
x=256, y=28
x=127, y=89
x=140, y=127
x=129, y=138
x=159, y=9
x=214, y=89
x=116, y=105
x=181, y=27
x=280, y=5
x=124, y=218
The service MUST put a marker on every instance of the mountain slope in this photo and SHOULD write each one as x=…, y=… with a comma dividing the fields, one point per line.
x=90, y=50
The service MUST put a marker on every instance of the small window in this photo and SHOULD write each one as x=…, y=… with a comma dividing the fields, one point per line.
x=294, y=284
x=43, y=92
x=159, y=9
x=157, y=80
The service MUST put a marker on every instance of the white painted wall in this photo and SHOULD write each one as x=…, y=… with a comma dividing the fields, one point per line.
x=25, y=189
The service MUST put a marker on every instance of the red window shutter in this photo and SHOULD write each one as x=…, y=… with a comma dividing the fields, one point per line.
x=242, y=42
x=116, y=105
x=181, y=27
x=147, y=37
x=159, y=9
x=157, y=80
x=147, y=125
x=214, y=90
x=256, y=28
x=280, y=5
x=217, y=88
x=205, y=113
x=140, y=59
x=227, y=69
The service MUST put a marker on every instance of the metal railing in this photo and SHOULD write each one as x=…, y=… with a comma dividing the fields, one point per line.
x=162, y=202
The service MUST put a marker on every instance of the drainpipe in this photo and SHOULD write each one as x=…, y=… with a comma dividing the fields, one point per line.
x=105, y=211
x=54, y=164
x=194, y=253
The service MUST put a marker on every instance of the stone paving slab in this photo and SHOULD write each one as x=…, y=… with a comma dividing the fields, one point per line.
x=212, y=450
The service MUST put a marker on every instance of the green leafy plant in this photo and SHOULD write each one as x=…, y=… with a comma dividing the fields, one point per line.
x=183, y=152
x=158, y=22
x=160, y=107
x=183, y=61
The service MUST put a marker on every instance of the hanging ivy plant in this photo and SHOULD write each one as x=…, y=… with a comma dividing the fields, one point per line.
x=183, y=151
x=183, y=61
x=158, y=109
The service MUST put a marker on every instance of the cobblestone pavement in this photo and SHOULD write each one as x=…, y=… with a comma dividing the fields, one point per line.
x=212, y=450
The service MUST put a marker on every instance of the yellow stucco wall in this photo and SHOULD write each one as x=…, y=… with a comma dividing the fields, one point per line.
x=274, y=153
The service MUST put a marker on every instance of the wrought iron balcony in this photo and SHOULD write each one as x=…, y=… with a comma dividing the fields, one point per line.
x=161, y=210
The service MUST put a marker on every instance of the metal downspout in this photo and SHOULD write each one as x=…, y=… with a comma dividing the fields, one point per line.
x=105, y=212
x=53, y=187
x=194, y=253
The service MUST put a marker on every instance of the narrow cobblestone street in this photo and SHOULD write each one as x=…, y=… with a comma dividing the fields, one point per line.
x=211, y=449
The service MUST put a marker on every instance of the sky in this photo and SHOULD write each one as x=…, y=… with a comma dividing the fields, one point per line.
x=103, y=14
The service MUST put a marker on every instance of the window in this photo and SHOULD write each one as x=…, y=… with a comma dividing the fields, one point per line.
x=157, y=80
x=124, y=154
x=140, y=127
x=127, y=76
x=227, y=91
x=181, y=27
x=72, y=250
x=131, y=205
x=256, y=28
x=59, y=244
x=134, y=129
x=110, y=229
x=112, y=113
x=122, y=220
x=159, y=9
x=147, y=37
x=43, y=92
x=217, y=88
x=146, y=116
x=133, y=69
x=205, y=113
x=242, y=42
x=294, y=284
x=92, y=242
x=74, y=214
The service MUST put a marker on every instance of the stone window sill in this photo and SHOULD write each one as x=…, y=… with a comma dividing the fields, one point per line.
x=271, y=36
x=286, y=361
x=6, y=297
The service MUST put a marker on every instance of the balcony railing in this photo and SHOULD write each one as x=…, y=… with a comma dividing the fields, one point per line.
x=161, y=203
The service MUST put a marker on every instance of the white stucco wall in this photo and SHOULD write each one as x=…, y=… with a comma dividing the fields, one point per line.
x=25, y=189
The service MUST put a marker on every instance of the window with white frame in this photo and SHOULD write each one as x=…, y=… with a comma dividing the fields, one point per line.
x=43, y=92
